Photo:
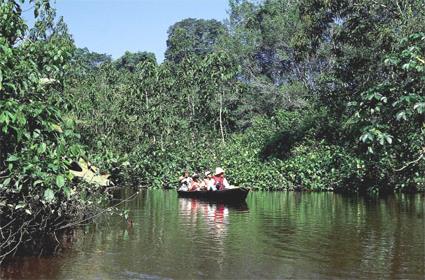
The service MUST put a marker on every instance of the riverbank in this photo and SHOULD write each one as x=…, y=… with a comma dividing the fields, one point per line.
x=46, y=232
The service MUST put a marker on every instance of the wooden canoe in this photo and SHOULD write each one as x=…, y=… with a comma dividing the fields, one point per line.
x=229, y=195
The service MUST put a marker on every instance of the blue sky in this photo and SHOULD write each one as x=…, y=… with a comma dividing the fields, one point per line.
x=114, y=26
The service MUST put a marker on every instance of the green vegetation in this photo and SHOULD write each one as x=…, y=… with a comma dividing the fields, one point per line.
x=37, y=140
x=314, y=95
x=320, y=96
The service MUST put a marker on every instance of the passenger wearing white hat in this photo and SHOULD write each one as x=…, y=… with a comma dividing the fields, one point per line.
x=219, y=181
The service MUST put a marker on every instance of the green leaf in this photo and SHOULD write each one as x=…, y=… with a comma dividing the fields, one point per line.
x=4, y=118
x=56, y=127
x=42, y=148
x=401, y=115
x=12, y=158
x=19, y=206
x=67, y=192
x=49, y=195
x=60, y=181
x=420, y=107
x=37, y=182
x=366, y=136
x=6, y=182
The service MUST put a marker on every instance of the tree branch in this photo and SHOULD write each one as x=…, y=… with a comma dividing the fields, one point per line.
x=412, y=162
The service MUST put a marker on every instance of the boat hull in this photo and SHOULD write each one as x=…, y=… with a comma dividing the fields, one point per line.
x=229, y=195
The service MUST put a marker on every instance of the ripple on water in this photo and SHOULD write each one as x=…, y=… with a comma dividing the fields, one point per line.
x=136, y=275
x=273, y=236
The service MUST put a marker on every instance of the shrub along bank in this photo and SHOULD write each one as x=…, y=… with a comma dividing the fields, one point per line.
x=37, y=142
x=307, y=164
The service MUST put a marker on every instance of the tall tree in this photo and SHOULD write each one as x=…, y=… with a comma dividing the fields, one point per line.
x=263, y=39
x=89, y=59
x=130, y=60
x=192, y=37
x=373, y=81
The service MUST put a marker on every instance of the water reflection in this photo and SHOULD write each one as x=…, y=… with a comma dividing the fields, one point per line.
x=281, y=235
x=215, y=218
x=212, y=213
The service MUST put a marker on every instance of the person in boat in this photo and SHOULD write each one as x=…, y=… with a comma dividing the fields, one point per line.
x=208, y=182
x=196, y=184
x=219, y=181
x=185, y=181
x=202, y=185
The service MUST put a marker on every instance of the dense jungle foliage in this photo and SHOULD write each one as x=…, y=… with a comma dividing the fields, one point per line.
x=285, y=94
x=37, y=141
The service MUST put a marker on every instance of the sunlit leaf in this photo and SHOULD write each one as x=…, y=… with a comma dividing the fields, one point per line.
x=60, y=181
x=42, y=148
x=401, y=115
x=420, y=107
x=12, y=158
x=6, y=182
x=19, y=206
x=67, y=192
x=49, y=195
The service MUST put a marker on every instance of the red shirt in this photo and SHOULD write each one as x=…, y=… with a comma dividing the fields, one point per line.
x=218, y=180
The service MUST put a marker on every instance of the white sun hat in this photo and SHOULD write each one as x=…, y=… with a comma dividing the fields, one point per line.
x=218, y=171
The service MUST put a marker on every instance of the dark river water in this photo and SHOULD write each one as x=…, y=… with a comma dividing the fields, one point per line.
x=276, y=235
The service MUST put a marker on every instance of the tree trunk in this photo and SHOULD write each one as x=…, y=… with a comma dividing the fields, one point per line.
x=221, y=117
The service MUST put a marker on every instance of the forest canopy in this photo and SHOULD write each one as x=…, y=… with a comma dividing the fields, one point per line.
x=322, y=95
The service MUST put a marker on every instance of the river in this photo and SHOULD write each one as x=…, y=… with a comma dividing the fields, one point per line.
x=274, y=235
